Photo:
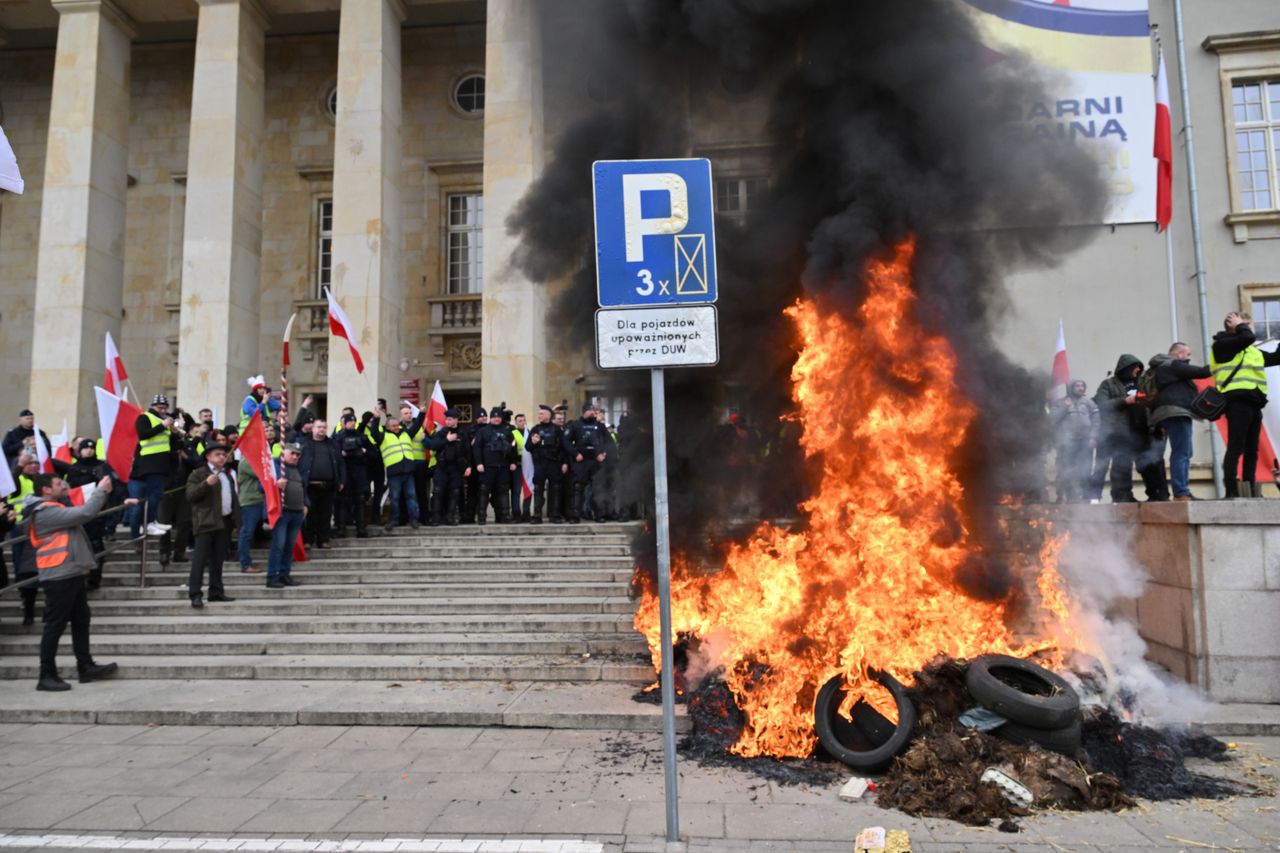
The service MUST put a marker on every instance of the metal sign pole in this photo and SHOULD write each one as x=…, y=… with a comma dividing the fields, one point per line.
x=661, y=507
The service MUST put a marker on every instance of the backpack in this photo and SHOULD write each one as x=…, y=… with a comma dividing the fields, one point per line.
x=1148, y=390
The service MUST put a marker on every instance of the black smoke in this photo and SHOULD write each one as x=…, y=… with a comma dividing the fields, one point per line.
x=884, y=120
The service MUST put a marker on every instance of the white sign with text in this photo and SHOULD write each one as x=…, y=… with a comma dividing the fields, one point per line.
x=679, y=336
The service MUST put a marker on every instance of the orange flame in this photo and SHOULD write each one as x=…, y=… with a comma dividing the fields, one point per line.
x=875, y=582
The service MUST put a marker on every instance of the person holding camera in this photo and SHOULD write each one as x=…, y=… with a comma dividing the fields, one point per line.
x=1125, y=438
x=1239, y=370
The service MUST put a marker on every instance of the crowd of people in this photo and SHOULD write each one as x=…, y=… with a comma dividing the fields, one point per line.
x=1139, y=409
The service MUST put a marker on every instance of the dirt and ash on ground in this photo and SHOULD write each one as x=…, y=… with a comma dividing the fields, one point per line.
x=938, y=775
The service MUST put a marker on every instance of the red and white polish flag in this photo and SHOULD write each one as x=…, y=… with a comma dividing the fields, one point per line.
x=341, y=326
x=10, y=175
x=115, y=375
x=42, y=452
x=526, y=469
x=61, y=444
x=80, y=494
x=118, y=421
x=436, y=408
x=1061, y=372
x=1163, y=150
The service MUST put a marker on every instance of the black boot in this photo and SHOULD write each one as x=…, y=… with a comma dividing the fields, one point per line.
x=482, y=505
x=97, y=672
x=1230, y=489
x=555, y=512
x=455, y=507
x=51, y=681
x=575, y=506
x=504, y=507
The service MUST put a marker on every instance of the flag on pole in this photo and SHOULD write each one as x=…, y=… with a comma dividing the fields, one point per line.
x=10, y=177
x=115, y=375
x=1061, y=372
x=284, y=364
x=526, y=469
x=7, y=485
x=254, y=449
x=42, y=453
x=436, y=407
x=341, y=326
x=80, y=494
x=118, y=421
x=61, y=444
x=1163, y=150
x=413, y=409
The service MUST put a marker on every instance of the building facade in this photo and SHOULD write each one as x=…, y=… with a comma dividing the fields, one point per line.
x=200, y=170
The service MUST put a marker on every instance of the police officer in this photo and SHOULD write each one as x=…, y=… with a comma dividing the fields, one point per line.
x=565, y=475
x=588, y=444
x=546, y=445
x=495, y=460
x=472, y=482
x=453, y=466
x=356, y=449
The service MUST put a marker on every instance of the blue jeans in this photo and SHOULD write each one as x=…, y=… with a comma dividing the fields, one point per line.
x=148, y=488
x=283, y=535
x=1179, y=432
x=250, y=520
x=398, y=485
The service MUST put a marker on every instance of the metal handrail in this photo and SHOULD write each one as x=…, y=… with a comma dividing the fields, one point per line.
x=142, y=563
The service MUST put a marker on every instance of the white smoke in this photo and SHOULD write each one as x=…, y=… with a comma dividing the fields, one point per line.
x=1101, y=573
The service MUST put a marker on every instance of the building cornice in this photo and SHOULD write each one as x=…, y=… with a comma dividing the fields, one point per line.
x=1236, y=42
x=106, y=8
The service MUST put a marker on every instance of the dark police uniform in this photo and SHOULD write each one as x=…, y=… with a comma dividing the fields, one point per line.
x=588, y=439
x=453, y=460
x=548, y=456
x=357, y=452
x=494, y=449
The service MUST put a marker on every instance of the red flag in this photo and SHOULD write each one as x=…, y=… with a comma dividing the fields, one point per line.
x=255, y=450
x=341, y=326
x=61, y=444
x=80, y=494
x=118, y=421
x=1061, y=373
x=299, y=550
x=115, y=375
x=42, y=453
x=1163, y=150
x=437, y=406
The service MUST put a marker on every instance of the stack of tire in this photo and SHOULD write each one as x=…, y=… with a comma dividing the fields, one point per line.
x=1040, y=706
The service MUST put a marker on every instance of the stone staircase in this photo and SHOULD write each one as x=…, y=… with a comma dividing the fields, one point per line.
x=467, y=625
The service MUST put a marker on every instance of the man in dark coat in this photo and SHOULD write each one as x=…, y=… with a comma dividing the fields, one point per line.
x=22, y=437
x=1125, y=439
x=546, y=444
x=588, y=445
x=84, y=470
x=326, y=477
x=1175, y=377
x=213, y=506
x=357, y=451
x=453, y=466
x=495, y=458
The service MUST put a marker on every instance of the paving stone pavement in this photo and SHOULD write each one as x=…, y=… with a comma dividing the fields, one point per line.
x=478, y=790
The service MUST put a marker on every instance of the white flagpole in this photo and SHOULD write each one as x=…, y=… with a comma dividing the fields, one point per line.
x=1173, y=285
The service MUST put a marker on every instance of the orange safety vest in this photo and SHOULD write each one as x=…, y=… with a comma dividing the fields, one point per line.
x=52, y=551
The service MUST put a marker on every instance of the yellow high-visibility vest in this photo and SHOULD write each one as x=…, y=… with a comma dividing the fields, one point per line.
x=396, y=447
x=25, y=487
x=1252, y=373
x=156, y=444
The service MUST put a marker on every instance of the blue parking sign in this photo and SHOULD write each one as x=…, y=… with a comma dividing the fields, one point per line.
x=655, y=232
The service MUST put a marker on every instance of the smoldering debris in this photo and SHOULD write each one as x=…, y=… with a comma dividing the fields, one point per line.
x=939, y=774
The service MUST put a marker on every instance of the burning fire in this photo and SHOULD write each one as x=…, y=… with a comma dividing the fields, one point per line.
x=875, y=581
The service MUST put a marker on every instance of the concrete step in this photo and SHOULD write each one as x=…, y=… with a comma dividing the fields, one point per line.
x=334, y=574
x=316, y=588
x=211, y=621
x=593, y=705
x=476, y=561
x=623, y=668
x=335, y=643
x=295, y=602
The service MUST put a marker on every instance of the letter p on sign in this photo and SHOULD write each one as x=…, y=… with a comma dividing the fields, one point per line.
x=635, y=225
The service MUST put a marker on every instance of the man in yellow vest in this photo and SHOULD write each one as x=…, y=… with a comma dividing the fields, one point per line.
x=63, y=557
x=153, y=464
x=396, y=448
x=1239, y=371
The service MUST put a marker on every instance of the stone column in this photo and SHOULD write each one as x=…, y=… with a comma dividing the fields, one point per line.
x=514, y=329
x=222, y=235
x=367, y=241
x=80, y=264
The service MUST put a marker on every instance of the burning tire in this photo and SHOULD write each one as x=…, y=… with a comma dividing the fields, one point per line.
x=1066, y=740
x=858, y=743
x=1022, y=692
